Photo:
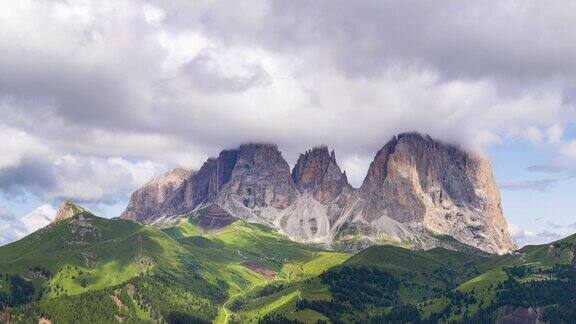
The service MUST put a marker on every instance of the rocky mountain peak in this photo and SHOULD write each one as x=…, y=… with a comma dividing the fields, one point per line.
x=416, y=179
x=68, y=210
x=205, y=185
x=147, y=202
x=259, y=155
x=317, y=172
x=261, y=178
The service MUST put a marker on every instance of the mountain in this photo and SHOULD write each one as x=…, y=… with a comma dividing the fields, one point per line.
x=318, y=173
x=155, y=199
x=418, y=191
x=416, y=183
x=68, y=210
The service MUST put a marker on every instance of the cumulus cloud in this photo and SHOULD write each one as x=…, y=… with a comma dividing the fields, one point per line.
x=79, y=178
x=95, y=96
x=38, y=218
x=13, y=227
x=10, y=228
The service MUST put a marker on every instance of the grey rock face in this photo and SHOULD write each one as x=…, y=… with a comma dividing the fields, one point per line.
x=204, y=186
x=317, y=172
x=416, y=190
x=155, y=198
x=260, y=178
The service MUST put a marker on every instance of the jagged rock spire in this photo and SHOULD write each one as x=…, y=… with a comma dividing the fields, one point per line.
x=317, y=172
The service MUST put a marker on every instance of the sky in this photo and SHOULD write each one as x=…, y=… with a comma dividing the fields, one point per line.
x=99, y=96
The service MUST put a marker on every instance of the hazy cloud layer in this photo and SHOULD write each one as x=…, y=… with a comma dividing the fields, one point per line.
x=546, y=168
x=539, y=185
x=524, y=237
x=96, y=97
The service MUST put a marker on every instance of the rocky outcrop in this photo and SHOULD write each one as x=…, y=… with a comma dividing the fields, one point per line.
x=202, y=187
x=416, y=190
x=260, y=178
x=153, y=200
x=215, y=218
x=424, y=184
x=68, y=210
x=522, y=315
x=317, y=172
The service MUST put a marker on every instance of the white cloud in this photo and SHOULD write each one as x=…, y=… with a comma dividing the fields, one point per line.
x=38, y=218
x=13, y=227
x=98, y=96
x=569, y=149
x=153, y=14
x=16, y=144
x=356, y=168
x=524, y=237
x=539, y=185
x=95, y=179
x=554, y=134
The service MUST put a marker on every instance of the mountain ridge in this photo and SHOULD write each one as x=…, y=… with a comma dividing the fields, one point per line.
x=415, y=188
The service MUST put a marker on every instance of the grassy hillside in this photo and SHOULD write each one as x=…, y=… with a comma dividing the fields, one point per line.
x=55, y=271
x=250, y=258
x=91, y=269
x=211, y=267
x=391, y=284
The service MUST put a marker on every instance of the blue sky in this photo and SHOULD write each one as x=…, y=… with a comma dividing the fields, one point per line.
x=99, y=96
x=535, y=210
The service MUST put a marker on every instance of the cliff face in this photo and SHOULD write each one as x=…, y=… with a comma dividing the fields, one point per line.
x=317, y=172
x=416, y=180
x=203, y=187
x=150, y=201
x=415, y=189
x=261, y=178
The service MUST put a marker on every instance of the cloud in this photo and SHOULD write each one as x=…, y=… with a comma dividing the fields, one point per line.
x=13, y=228
x=546, y=168
x=560, y=226
x=10, y=229
x=31, y=174
x=96, y=95
x=224, y=72
x=38, y=218
x=79, y=178
x=90, y=179
x=538, y=185
x=569, y=149
x=524, y=237
x=541, y=185
x=493, y=39
x=16, y=145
